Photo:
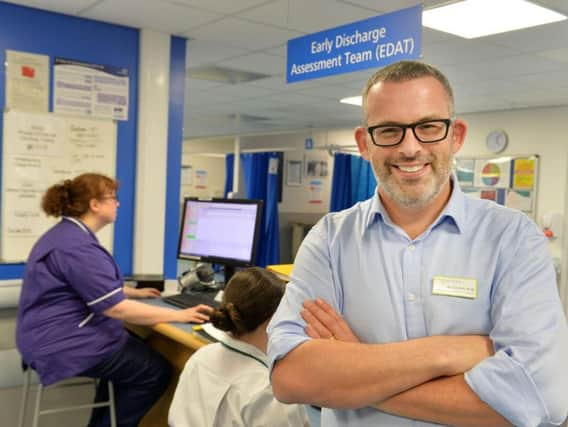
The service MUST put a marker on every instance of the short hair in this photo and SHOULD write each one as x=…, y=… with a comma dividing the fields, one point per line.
x=73, y=196
x=403, y=71
x=250, y=298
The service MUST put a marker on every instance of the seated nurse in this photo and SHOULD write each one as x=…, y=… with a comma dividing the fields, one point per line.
x=227, y=384
x=72, y=305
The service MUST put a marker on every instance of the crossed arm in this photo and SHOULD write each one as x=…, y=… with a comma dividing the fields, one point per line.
x=421, y=379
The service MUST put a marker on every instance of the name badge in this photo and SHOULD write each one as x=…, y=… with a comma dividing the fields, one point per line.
x=454, y=287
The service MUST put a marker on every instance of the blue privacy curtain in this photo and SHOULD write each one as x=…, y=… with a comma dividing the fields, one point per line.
x=261, y=182
x=352, y=181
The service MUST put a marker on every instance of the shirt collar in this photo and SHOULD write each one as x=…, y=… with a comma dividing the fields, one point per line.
x=246, y=348
x=80, y=225
x=454, y=210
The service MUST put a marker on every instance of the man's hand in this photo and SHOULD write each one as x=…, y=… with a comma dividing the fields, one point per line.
x=324, y=322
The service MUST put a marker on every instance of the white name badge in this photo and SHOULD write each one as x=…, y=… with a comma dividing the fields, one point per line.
x=454, y=287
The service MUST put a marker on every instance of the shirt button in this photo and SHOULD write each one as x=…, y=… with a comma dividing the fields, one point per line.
x=411, y=297
x=411, y=247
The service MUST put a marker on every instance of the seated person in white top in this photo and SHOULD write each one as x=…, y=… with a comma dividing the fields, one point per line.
x=227, y=384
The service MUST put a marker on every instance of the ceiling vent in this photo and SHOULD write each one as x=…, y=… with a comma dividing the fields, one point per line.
x=214, y=73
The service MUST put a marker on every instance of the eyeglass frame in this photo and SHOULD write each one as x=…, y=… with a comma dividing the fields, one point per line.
x=412, y=126
x=115, y=198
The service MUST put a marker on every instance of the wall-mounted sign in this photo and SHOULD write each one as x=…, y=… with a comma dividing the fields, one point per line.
x=373, y=42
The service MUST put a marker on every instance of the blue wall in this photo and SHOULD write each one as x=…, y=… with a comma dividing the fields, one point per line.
x=35, y=31
x=175, y=141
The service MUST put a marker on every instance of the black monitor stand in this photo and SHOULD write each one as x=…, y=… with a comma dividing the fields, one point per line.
x=229, y=272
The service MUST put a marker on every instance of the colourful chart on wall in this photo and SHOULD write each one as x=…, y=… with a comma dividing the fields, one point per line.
x=493, y=173
x=509, y=181
x=524, y=173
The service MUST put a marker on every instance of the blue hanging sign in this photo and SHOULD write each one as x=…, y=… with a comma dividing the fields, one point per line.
x=373, y=42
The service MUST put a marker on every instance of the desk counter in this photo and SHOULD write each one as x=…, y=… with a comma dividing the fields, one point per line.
x=176, y=342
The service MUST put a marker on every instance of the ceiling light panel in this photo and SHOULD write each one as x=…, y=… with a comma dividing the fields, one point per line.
x=477, y=18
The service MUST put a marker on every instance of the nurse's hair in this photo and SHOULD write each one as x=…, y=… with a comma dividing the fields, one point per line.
x=72, y=196
x=250, y=298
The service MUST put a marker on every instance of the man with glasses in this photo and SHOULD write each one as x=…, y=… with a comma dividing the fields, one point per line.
x=455, y=297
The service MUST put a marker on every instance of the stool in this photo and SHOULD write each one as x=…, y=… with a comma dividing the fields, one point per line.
x=39, y=412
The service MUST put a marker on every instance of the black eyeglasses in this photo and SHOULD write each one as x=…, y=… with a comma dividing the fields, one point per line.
x=426, y=131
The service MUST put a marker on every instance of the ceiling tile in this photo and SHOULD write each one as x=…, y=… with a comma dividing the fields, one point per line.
x=223, y=6
x=306, y=16
x=391, y=6
x=69, y=7
x=543, y=37
x=277, y=51
x=258, y=63
x=464, y=51
x=242, y=33
x=204, y=52
x=153, y=14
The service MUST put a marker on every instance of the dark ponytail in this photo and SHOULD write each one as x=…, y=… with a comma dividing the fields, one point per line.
x=250, y=298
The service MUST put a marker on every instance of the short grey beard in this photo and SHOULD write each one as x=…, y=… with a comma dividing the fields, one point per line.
x=414, y=202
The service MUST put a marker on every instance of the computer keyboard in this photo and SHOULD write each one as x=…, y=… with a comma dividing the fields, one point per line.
x=191, y=300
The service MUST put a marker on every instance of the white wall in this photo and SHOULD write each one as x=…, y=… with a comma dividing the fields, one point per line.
x=541, y=131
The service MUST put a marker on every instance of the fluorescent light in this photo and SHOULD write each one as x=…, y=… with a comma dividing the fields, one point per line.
x=478, y=18
x=353, y=100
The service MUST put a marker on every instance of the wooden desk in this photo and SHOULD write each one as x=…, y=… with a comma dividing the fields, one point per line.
x=176, y=342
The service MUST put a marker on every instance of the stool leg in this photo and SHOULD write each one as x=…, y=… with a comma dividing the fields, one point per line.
x=24, y=402
x=37, y=405
x=111, y=404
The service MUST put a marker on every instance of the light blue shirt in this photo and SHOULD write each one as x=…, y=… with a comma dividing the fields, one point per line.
x=381, y=281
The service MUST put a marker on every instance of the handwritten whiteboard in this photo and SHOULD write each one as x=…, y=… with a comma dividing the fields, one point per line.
x=39, y=150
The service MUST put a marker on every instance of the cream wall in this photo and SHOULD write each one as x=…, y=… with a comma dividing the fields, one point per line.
x=541, y=131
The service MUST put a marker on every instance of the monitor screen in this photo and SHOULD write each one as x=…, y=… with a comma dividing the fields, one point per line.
x=220, y=231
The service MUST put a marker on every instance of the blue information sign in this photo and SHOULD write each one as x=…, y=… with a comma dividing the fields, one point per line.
x=373, y=42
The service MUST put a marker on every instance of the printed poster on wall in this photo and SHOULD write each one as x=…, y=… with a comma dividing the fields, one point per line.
x=315, y=189
x=40, y=150
x=27, y=81
x=523, y=174
x=187, y=175
x=200, y=179
x=87, y=89
x=293, y=172
x=465, y=172
x=520, y=199
x=316, y=166
x=494, y=173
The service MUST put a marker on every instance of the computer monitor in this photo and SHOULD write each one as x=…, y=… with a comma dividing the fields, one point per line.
x=220, y=231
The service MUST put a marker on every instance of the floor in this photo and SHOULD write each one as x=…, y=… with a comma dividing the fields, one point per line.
x=10, y=399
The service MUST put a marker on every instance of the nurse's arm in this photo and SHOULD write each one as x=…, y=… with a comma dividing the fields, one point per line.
x=144, y=314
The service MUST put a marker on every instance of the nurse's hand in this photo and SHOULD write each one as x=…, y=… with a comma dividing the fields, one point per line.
x=141, y=293
x=198, y=314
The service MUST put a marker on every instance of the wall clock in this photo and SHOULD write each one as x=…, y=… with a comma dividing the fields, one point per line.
x=496, y=141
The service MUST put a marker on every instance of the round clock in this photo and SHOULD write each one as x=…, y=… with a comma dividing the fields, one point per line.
x=496, y=141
